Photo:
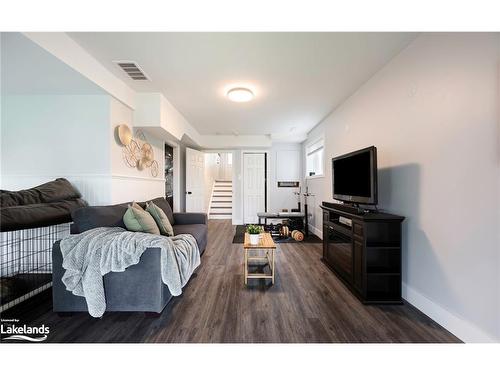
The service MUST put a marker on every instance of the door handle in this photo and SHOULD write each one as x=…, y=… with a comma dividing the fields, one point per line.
x=188, y=192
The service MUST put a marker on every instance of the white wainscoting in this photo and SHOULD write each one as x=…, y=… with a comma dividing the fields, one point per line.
x=95, y=188
x=133, y=188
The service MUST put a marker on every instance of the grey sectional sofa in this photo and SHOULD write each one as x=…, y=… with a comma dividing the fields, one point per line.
x=140, y=287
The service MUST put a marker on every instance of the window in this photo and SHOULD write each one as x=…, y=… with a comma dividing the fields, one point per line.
x=315, y=158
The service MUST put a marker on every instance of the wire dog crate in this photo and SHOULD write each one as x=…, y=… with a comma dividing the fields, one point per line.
x=26, y=262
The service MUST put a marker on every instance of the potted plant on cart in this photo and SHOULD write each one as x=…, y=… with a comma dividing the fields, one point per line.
x=254, y=233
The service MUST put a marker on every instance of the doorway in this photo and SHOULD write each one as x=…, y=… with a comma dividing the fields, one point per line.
x=195, y=180
x=219, y=184
x=254, y=185
x=169, y=175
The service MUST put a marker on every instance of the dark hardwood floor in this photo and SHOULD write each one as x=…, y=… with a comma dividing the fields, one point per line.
x=307, y=304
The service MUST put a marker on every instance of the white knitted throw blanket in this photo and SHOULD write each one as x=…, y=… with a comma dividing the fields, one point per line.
x=90, y=255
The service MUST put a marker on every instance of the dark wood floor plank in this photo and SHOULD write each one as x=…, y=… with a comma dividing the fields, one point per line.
x=307, y=304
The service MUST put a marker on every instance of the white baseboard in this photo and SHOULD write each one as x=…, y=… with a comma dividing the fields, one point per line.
x=460, y=327
x=463, y=329
x=316, y=231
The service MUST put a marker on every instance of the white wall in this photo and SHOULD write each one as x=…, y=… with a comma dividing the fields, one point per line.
x=48, y=136
x=317, y=185
x=284, y=164
x=278, y=198
x=155, y=112
x=130, y=183
x=216, y=171
x=432, y=113
x=71, y=53
x=211, y=174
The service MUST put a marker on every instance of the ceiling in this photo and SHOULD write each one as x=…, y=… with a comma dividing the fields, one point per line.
x=28, y=69
x=298, y=78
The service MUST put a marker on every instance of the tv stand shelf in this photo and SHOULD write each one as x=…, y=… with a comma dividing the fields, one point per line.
x=366, y=255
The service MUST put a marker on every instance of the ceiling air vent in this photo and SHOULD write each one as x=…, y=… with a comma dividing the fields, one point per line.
x=133, y=70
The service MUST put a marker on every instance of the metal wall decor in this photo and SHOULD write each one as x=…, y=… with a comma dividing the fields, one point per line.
x=137, y=152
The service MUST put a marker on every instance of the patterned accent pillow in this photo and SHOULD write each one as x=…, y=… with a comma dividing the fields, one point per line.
x=161, y=219
x=138, y=220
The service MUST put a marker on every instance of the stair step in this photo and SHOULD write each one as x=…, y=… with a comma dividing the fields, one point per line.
x=222, y=199
x=223, y=194
x=221, y=204
x=221, y=211
x=220, y=217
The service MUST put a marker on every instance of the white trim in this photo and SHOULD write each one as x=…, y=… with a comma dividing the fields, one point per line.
x=316, y=231
x=315, y=140
x=62, y=174
x=177, y=174
x=459, y=326
x=211, y=198
x=128, y=177
x=315, y=176
x=318, y=139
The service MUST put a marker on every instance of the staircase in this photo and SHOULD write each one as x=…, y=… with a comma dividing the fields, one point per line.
x=221, y=202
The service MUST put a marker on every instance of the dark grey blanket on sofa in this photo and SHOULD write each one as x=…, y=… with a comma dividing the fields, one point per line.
x=47, y=204
x=90, y=255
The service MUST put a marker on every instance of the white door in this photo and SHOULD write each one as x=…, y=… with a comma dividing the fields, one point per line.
x=195, y=180
x=254, y=186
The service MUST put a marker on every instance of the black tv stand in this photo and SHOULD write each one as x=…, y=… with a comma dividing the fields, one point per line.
x=353, y=208
x=364, y=250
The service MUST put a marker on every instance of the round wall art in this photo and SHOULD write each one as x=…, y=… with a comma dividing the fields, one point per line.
x=131, y=154
x=124, y=134
x=137, y=152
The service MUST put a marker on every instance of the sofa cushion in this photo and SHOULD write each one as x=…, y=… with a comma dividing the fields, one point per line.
x=198, y=231
x=190, y=218
x=160, y=218
x=136, y=219
x=111, y=216
x=99, y=216
x=163, y=204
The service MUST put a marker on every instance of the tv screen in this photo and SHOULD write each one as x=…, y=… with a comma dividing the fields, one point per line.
x=354, y=176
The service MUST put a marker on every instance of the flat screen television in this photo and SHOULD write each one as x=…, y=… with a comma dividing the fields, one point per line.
x=354, y=176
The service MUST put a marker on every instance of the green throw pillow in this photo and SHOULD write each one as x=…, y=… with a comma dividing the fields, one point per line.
x=160, y=218
x=138, y=220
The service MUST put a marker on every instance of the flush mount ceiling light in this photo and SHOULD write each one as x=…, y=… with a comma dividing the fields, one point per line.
x=240, y=94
